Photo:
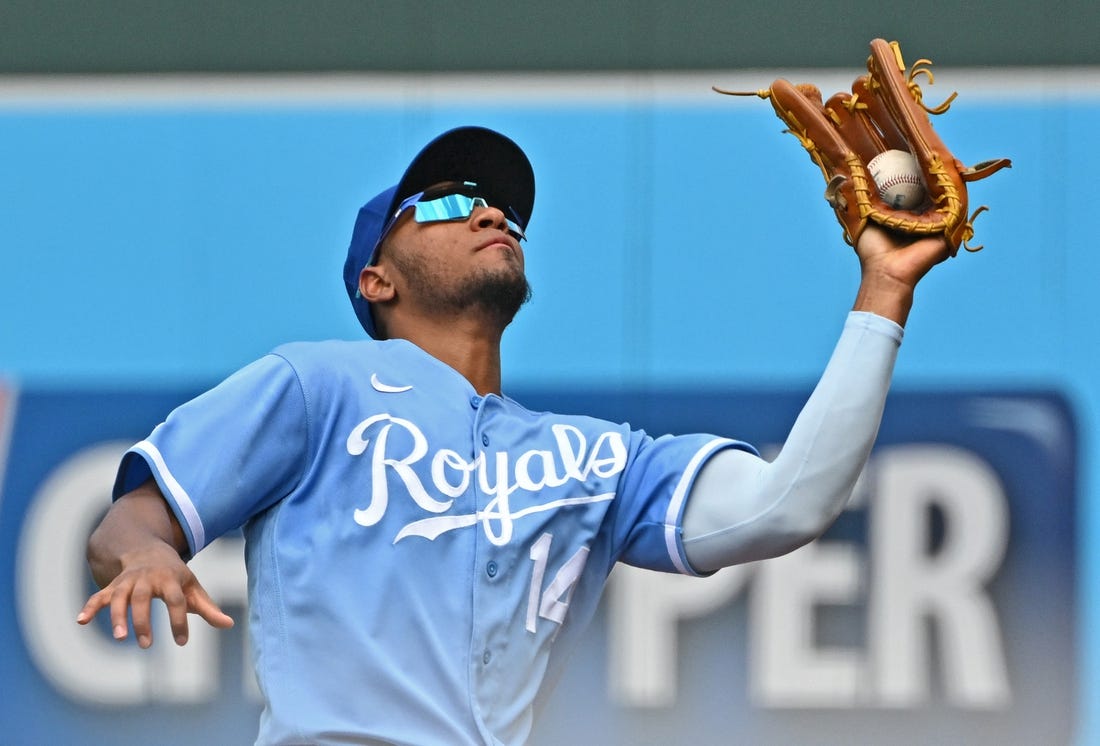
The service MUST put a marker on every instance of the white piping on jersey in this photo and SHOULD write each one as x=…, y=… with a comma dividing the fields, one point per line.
x=179, y=494
x=385, y=388
x=672, y=522
x=432, y=528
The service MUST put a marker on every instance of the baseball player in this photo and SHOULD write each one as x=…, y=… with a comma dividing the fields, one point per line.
x=422, y=550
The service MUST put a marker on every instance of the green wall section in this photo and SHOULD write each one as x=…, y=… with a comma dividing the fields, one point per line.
x=125, y=36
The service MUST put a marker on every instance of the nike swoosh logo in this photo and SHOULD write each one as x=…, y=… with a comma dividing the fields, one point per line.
x=385, y=388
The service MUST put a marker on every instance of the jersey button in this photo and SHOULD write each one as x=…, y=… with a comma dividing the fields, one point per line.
x=486, y=657
x=491, y=569
x=484, y=439
x=475, y=401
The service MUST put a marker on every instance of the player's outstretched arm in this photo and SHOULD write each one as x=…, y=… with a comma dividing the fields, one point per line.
x=742, y=508
x=136, y=555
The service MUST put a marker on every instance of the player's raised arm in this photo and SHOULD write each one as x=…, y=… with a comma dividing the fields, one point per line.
x=743, y=508
x=136, y=555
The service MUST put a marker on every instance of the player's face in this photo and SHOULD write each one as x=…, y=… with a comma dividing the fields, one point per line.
x=454, y=266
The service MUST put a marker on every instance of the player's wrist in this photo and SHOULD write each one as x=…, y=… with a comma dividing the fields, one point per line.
x=154, y=555
x=885, y=296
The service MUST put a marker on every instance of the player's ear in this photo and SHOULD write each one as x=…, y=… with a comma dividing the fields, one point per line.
x=374, y=284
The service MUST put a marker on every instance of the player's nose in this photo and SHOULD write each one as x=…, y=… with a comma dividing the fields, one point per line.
x=494, y=217
x=489, y=217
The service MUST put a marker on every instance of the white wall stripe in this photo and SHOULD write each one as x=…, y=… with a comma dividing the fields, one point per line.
x=246, y=91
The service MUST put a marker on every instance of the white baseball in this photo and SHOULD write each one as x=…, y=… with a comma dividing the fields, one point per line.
x=898, y=179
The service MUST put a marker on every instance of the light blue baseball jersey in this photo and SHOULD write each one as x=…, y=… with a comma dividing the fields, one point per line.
x=420, y=558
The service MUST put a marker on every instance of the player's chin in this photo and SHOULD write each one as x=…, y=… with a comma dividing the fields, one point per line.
x=505, y=290
x=502, y=252
x=505, y=269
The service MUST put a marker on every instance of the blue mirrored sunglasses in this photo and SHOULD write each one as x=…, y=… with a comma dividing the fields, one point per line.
x=446, y=207
x=457, y=206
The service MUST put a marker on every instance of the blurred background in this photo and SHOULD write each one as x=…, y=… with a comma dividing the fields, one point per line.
x=178, y=183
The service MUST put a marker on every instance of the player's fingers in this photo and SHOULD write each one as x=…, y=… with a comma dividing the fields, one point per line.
x=201, y=604
x=92, y=606
x=141, y=603
x=120, y=607
x=176, y=602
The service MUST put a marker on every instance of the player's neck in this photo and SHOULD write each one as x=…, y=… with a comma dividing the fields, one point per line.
x=469, y=348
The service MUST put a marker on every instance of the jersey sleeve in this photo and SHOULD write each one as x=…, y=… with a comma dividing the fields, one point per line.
x=650, y=505
x=228, y=454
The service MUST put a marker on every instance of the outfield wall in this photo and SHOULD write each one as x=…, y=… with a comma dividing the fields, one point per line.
x=158, y=232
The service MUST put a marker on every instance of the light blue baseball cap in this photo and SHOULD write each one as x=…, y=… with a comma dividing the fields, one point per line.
x=495, y=163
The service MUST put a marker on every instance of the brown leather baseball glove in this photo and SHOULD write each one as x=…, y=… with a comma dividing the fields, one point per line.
x=884, y=111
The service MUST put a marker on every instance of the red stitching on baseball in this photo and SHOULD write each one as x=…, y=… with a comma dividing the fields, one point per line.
x=901, y=179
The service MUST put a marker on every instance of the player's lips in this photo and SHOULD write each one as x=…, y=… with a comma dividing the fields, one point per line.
x=501, y=240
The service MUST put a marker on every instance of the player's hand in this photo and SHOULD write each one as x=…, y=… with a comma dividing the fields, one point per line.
x=157, y=572
x=892, y=265
x=902, y=258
